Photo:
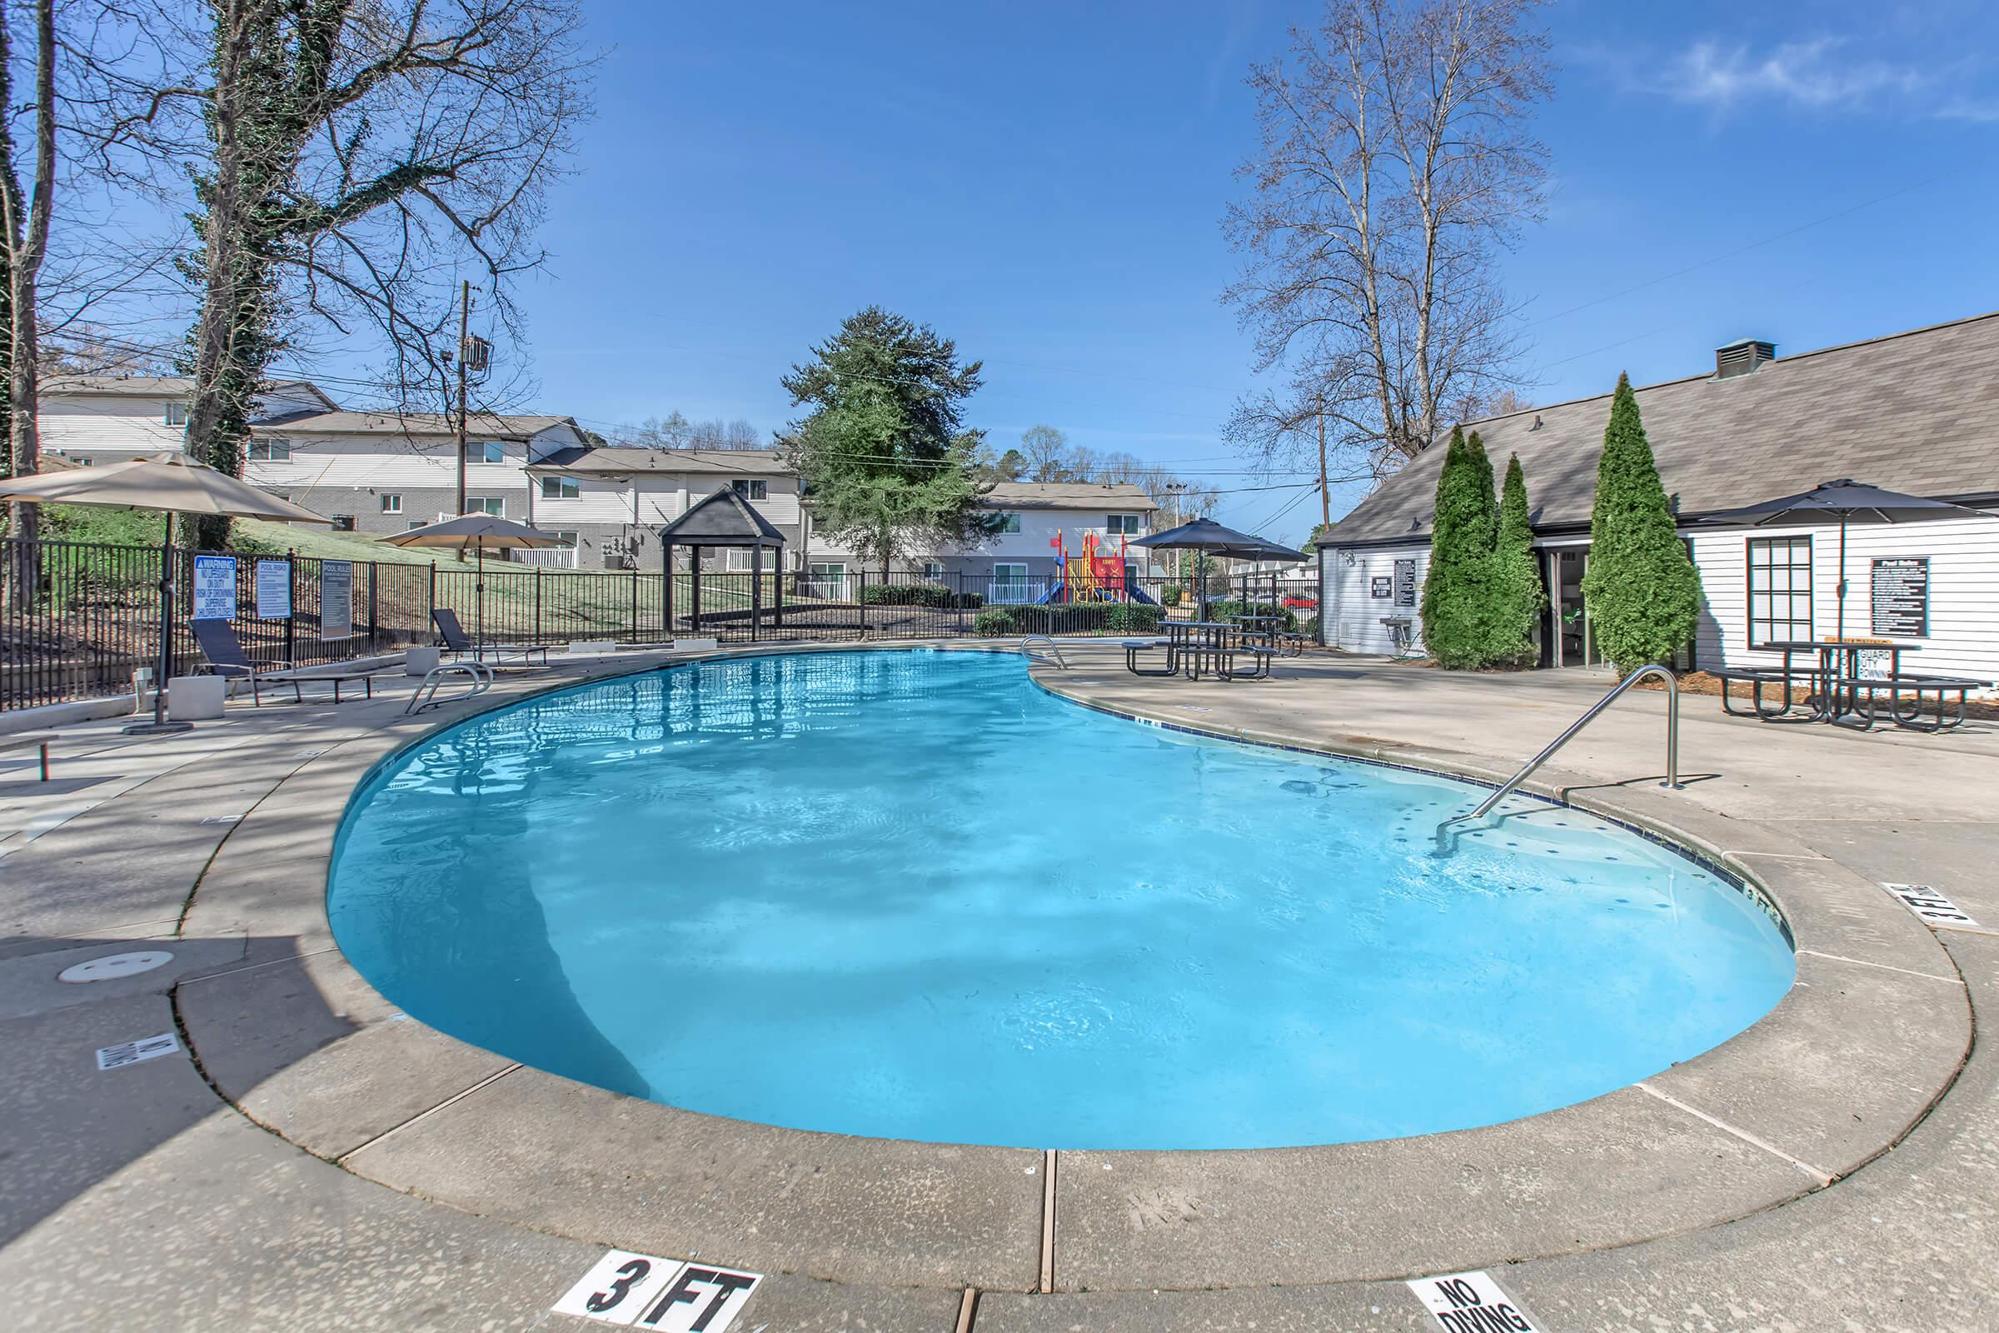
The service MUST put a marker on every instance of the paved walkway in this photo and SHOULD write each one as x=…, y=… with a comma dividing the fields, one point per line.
x=139, y=1197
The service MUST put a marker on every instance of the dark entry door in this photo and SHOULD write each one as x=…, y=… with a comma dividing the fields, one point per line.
x=1574, y=644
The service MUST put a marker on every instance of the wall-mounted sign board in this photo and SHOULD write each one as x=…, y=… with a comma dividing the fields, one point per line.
x=1900, y=592
x=1405, y=582
x=1381, y=586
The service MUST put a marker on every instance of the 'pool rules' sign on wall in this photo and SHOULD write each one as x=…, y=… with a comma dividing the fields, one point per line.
x=1901, y=597
x=1405, y=583
x=214, y=587
x=1472, y=1303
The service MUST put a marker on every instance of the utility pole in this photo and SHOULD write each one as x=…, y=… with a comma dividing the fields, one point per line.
x=464, y=327
x=1325, y=494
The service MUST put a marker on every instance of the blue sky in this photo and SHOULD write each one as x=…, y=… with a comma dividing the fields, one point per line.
x=1044, y=182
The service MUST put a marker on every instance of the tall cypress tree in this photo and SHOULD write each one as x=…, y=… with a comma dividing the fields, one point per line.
x=1517, y=594
x=1643, y=592
x=1458, y=585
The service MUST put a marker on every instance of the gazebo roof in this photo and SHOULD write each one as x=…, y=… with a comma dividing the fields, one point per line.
x=723, y=519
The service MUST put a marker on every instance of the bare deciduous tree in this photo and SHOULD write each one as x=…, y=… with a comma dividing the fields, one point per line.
x=1394, y=163
x=364, y=154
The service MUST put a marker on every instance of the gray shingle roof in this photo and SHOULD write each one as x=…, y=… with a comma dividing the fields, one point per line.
x=1068, y=495
x=481, y=425
x=1915, y=412
x=618, y=461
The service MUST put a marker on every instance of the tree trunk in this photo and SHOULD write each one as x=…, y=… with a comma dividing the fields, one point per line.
x=217, y=414
x=27, y=235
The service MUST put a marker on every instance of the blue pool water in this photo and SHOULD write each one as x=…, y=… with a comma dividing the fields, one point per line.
x=913, y=895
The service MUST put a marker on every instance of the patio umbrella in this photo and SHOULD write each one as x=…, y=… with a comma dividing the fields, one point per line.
x=171, y=483
x=476, y=532
x=1206, y=537
x=1847, y=501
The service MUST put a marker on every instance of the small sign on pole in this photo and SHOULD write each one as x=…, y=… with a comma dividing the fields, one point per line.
x=274, y=589
x=336, y=599
x=214, y=587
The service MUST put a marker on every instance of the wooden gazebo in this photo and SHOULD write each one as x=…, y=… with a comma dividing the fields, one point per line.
x=725, y=519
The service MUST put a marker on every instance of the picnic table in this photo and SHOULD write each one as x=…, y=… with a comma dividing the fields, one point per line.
x=1197, y=647
x=1836, y=695
x=1845, y=688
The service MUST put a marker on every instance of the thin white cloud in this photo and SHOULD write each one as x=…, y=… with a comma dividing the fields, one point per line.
x=1815, y=75
x=1820, y=76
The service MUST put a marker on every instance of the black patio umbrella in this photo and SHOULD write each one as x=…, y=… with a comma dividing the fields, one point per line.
x=1847, y=501
x=1207, y=537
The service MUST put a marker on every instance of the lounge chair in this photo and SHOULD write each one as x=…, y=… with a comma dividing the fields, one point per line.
x=457, y=641
x=224, y=651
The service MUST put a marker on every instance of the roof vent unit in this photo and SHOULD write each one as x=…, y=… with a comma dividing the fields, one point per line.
x=1742, y=358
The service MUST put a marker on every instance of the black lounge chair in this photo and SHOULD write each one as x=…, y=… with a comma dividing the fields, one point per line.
x=457, y=641
x=224, y=651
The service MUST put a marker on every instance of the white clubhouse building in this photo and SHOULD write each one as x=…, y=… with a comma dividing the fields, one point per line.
x=1914, y=412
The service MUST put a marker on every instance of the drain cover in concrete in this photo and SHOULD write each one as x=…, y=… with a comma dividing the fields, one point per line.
x=112, y=966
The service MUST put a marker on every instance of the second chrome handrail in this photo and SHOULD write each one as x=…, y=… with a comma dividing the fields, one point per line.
x=1527, y=769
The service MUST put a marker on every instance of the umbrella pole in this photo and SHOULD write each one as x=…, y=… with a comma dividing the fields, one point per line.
x=1841, y=592
x=479, y=597
x=163, y=666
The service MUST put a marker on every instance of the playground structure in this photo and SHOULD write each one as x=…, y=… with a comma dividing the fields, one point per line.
x=1091, y=576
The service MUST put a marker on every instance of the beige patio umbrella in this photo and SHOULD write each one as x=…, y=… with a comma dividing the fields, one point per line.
x=476, y=532
x=169, y=483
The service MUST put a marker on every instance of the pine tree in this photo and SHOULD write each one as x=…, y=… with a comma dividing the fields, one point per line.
x=1458, y=586
x=1641, y=587
x=884, y=455
x=1517, y=594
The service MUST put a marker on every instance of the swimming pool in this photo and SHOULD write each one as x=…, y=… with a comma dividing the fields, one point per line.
x=913, y=895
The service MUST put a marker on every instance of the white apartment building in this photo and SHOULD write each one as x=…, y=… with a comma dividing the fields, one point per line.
x=380, y=472
x=99, y=419
x=1018, y=563
x=610, y=502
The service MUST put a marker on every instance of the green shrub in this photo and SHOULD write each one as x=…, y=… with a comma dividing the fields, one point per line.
x=1077, y=618
x=1642, y=589
x=1457, y=590
x=1517, y=595
x=1170, y=595
x=1232, y=608
x=933, y=595
x=995, y=622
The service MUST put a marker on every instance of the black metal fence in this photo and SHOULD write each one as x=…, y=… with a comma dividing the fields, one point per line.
x=77, y=620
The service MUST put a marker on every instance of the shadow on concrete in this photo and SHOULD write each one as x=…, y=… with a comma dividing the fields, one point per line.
x=65, y=1124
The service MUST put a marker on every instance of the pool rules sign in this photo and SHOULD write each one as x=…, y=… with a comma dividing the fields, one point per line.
x=640, y=1291
x=1472, y=1303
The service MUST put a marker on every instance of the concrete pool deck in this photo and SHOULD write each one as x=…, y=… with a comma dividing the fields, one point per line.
x=244, y=1186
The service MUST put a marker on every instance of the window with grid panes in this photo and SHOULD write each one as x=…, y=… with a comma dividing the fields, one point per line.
x=1780, y=589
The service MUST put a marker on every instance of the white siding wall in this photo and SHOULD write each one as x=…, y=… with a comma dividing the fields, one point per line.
x=1964, y=590
x=376, y=462
x=1351, y=617
x=661, y=497
x=1038, y=528
x=104, y=427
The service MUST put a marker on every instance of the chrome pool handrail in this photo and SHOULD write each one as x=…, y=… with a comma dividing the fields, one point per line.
x=1053, y=647
x=1527, y=769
